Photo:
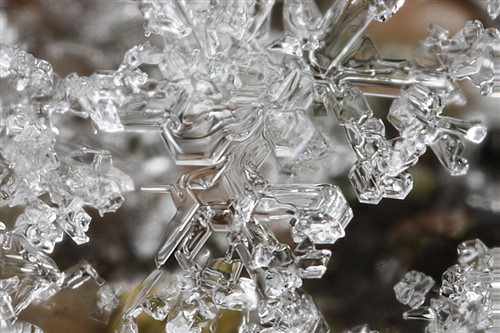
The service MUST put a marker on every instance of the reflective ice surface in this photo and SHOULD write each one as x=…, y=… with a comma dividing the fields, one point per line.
x=230, y=98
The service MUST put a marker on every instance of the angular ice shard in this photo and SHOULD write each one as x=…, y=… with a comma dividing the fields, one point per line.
x=128, y=325
x=204, y=141
x=311, y=263
x=7, y=287
x=77, y=222
x=28, y=276
x=165, y=18
x=354, y=109
x=133, y=305
x=243, y=297
x=106, y=302
x=177, y=322
x=366, y=185
x=176, y=230
x=296, y=139
x=320, y=211
x=471, y=251
x=421, y=313
x=219, y=277
x=197, y=232
x=37, y=225
x=294, y=312
x=103, y=101
x=156, y=307
x=448, y=150
x=380, y=170
x=417, y=114
x=77, y=275
x=302, y=18
x=342, y=27
x=96, y=164
x=448, y=318
x=273, y=266
x=412, y=288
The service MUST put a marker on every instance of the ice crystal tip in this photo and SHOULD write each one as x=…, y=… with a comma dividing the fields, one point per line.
x=421, y=313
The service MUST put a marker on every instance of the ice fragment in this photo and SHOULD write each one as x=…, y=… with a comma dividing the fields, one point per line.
x=465, y=302
x=412, y=288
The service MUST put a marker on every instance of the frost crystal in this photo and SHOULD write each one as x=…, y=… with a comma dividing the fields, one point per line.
x=467, y=299
x=232, y=100
x=413, y=288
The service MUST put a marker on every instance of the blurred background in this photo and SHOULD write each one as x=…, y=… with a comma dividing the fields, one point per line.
x=382, y=242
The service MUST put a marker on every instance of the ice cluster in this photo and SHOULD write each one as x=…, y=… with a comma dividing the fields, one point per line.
x=467, y=300
x=53, y=183
x=228, y=95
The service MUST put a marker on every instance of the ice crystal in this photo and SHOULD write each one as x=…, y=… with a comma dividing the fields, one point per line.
x=52, y=187
x=228, y=98
x=237, y=110
x=467, y=297
x=107, y=300
x=413, y=288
